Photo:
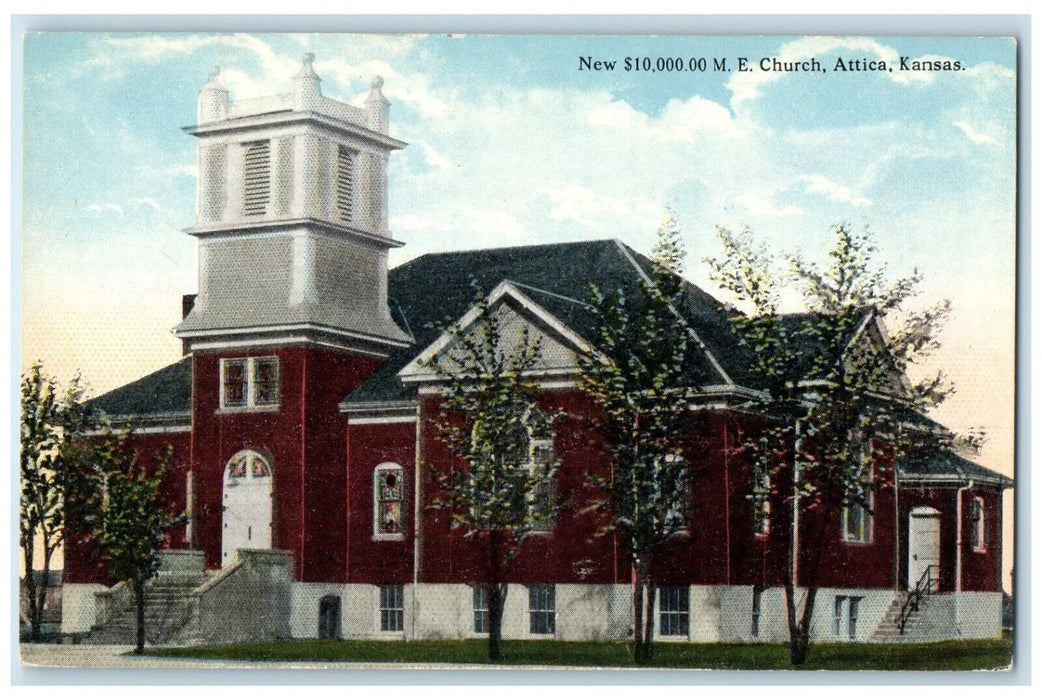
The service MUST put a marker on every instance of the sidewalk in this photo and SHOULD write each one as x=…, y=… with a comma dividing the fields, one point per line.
x=117, y=656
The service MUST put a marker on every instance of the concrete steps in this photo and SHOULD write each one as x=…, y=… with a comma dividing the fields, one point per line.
x=889, y=629
x=167, y=610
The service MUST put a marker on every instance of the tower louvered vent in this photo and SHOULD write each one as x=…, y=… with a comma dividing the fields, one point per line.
x=345, y=182
x=258, y=177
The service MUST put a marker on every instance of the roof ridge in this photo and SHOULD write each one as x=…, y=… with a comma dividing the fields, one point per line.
x=628, y=254
x=490, y=249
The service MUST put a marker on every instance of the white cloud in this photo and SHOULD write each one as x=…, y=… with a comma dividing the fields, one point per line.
x=588, y=208
x=495, y=223
x=434, y=158
x=681, y=120
x=974, y=135
x=762, y=207
x=186, y=170
x=413, y=89
x=98, y=208
x=819, y=184
x=146, y=202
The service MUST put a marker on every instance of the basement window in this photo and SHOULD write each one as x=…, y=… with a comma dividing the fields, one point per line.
x=392, y=608
x=542, y=614
x=480, y=609
x=673, y=608
x=845, y=617
x=249, y=383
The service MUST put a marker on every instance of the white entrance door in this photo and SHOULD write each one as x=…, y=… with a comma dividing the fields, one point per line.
x=924, y=544
x=247, y=505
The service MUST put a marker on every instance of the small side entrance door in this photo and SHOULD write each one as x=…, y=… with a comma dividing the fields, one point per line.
x=924, y=545
x=329, y=617
x=247, y=505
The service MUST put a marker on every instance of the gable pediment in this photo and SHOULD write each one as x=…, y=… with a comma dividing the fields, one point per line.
x=517, y=315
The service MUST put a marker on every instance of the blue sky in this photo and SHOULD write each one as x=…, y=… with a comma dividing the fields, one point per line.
x=512, y=144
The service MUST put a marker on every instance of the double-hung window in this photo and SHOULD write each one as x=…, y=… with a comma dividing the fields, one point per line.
x=673, y=609
x=249, y=382
x=392, y=608
x=845, y=617
x=480, y=609
x=541, y=609
x=761, y=502
x=977, y=539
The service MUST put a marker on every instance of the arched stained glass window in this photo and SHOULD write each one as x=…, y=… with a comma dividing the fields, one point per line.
x=247, y=464
x=388, y=498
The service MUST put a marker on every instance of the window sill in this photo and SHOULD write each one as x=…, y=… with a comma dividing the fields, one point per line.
x=398, y=537
x=235, y=410
x=857, y=543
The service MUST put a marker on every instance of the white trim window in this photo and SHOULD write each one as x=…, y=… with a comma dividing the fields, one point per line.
x=249, y=383
x=675, y=489
x=977, y=539
x=392, y=607
x=845, y=611
x=761, y=502
x=388, y=501
x=480, y=608
x=542, y=614
x=857, y=523
x=674, y=609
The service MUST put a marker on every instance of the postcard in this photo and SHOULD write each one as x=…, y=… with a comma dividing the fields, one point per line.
x=518, y=350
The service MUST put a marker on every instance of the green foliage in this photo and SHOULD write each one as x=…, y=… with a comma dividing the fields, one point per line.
x=504, y=441
x=490, y=419
x=834, y=380
x=135, y=517
x=639, y=379
x=57, y=479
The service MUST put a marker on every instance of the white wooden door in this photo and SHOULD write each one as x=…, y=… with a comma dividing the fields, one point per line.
x=924, y=544
x=247, y=505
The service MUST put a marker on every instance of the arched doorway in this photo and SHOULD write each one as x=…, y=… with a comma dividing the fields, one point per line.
x=247, y=505
x=924, y=545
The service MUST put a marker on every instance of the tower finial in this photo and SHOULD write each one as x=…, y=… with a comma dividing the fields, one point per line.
x=215, y=71
x=308, y=59
x=378, y=82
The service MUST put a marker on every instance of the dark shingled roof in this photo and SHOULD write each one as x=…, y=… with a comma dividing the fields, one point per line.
x=933, y=465
x=165, y=391
x=427, y=293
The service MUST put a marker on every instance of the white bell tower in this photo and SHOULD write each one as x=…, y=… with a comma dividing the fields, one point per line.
x=291, y=218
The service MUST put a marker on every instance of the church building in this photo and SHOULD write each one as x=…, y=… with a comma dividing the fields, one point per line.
x=302, y=419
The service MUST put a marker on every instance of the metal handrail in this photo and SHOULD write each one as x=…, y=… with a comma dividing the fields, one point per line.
x=923, y=586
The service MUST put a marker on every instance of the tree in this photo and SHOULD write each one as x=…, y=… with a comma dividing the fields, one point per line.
x=491, y=421
x=836, y=391
x=135, y=518
x=639, y=381
x=58, y=483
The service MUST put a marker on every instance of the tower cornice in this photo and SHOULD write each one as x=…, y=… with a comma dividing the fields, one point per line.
x=290, y=118
x=239, y=228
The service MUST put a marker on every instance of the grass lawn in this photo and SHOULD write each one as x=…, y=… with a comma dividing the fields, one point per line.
x=938, y=656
